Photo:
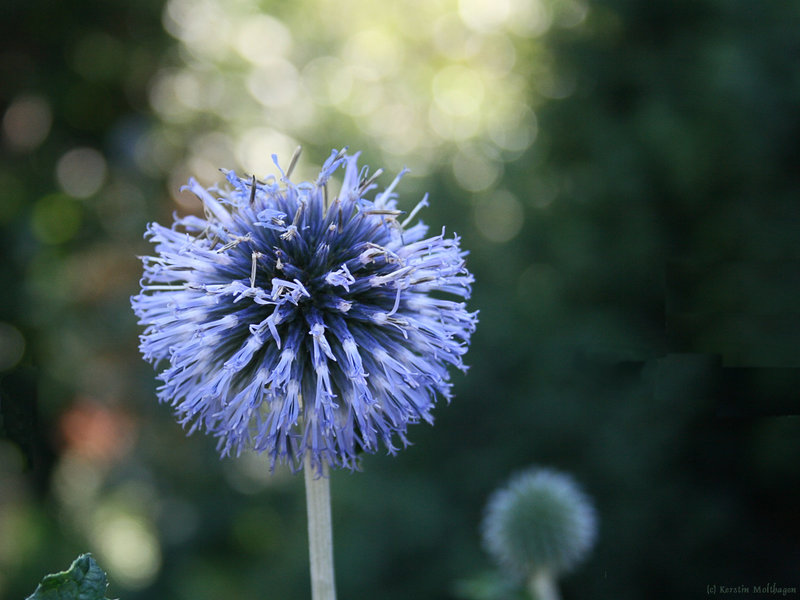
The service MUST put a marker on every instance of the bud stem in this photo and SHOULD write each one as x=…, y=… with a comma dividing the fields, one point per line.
x=320, y=531
x=542, y=586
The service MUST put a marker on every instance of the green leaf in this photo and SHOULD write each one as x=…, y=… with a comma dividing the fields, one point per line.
x=84, y=580
x=489, y=585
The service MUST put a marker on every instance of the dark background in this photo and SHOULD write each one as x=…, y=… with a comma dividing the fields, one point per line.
x=641, y=332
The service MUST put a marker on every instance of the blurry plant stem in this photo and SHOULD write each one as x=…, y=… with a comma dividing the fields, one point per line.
x=320, y=531
x=542, y=586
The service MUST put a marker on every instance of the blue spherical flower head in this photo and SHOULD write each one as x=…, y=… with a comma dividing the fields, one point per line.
x=289, y=322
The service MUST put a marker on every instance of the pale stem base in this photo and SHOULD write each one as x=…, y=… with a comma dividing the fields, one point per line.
x=320, y=531
x=542, y=586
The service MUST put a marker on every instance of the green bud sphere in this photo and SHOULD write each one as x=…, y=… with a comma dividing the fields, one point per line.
x=541, y=521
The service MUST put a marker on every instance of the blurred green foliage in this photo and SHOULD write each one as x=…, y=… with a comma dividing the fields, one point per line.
x=639, y=330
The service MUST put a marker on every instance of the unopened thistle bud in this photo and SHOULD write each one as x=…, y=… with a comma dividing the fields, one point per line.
x=541, y=522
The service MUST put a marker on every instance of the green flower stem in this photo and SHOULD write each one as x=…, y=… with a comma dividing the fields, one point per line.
x=320, y=531
x=542, y=586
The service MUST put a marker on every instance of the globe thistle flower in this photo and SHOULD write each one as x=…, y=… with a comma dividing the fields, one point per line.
x=541, y=522
x=288, y=322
